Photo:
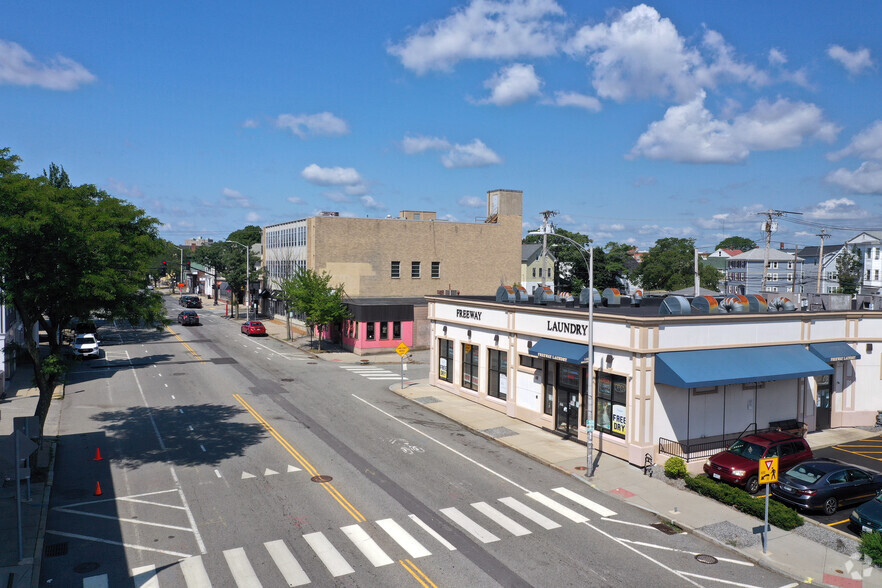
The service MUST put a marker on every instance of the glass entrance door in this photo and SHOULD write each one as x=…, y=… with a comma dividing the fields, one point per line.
x=568, y=384
x=825, y=391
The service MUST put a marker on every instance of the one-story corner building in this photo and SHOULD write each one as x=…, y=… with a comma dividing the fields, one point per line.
x=664, y=384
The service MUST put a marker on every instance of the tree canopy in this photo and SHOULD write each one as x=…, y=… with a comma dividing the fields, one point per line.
x=735, y=242
x=669, y=265
x=71, y=252
x=610, y=262
x=229, y=259
x=310, y=294
x=848, y=268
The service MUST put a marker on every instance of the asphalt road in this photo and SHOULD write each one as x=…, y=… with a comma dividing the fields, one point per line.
x=228, y=460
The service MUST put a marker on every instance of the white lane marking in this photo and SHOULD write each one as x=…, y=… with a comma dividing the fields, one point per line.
x=502, y=520
x=367, y=546
x=293, y=469
x=190, y=518
x=109, y=542
x=173, y=396
x=218, y=474
x=202, y=447
x=386, y=378
x=403, y=538
x=120, y=498
x=429, y=437
x=589, y=504
x=274, y=351
x=240, y=567
x=476, y=530
x=621, y=522
x=95, y=581
x=121, y=519
x=328, y=554
x=641, y=554
x=692, y=553
x=194, y=572
x=270, y=472
x=190, y=427
x=557, y=507
x=246, y=475
x=432, y=532
x=535, y=516
x=287, y=564
x=150, y=502
x=144, y=400
x=145, y=577
x=729, y=582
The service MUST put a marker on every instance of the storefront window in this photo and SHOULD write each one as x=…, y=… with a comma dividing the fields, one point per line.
x=370, y=331
x=497, y=381
x=610, y=415
x=549, y=388
x=384, y=330
x=470, y=366
x=445, y=359
x=396, y=330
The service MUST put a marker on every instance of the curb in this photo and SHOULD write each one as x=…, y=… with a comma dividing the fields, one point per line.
x=44, y=514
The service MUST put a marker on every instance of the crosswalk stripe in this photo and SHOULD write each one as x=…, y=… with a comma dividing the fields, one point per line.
x=479, y=532
x=589, y=504
x=194, y=572
x=328, y=554
x=557, y=507
x=502, y=520
x=403, y=538
x=287, y=564
x=535, y=516
x=95, y=581
x=145, y=577
x=367, y=546
x=433, y=533
x=386, y=378
x=240, y=567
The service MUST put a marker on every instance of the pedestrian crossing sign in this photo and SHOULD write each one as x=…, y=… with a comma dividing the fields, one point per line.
x=768, y=470
x=402, y=349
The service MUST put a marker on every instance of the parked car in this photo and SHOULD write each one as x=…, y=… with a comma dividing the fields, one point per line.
x=85, y=327
x=190, y=301
x=188, y=317
x=86, y=345
x=826, y=484
x=868, y=516
x=253, y=328
x=739, y=464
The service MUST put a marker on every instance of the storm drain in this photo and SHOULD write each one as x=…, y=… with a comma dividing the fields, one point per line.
x=705, y=559
x=56, y=549
x=426, y=400
x=87, y=567
x=498, y=432
x=320, y=479
x=665, y=528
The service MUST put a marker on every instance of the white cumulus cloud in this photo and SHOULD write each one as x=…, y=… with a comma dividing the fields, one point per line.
x=576, y=99
x=253, y=217
x=485, y=29
x=866, y=144
x=836, y=209
x=322, y=123
x=471, y=202
x=866, y=179
x=235, y=198
x=474, y=154
x=371, y=204
x=853, y=61
x=413, y=144
x=19, y=68
x=331, y=176
x=516, y=83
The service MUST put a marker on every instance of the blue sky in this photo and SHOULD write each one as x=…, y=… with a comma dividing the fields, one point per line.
x=634, y=121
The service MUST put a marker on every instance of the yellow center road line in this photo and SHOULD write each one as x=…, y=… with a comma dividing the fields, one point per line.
x=417, y=573
x=303, y=462
x=184, y=343
x=857, y=453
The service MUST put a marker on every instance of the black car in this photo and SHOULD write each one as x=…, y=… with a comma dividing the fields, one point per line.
x=826, y=484
x=188, y=317
x=190, y=301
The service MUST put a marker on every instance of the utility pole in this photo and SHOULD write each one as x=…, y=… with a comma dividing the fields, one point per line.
x=769, y=227
x=823, y=235
x=546, y=215
x=795, y=265
x=697, y=289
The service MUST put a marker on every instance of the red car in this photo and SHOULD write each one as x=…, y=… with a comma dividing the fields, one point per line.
x=739, y=465
x=253, y=328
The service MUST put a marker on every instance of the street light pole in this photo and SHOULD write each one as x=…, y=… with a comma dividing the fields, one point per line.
x=247, y=275
x=589, y=396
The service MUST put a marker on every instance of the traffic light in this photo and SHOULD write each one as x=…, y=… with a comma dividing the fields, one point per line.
x=188, y=267
x=164, y=269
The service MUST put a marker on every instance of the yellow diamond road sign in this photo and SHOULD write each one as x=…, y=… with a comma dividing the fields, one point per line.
x=402, y=349
x=768, y=470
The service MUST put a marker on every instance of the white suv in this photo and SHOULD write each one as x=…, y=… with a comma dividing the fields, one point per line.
x=86, y=345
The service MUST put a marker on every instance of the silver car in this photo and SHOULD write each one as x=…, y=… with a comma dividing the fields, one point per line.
x=86, y=345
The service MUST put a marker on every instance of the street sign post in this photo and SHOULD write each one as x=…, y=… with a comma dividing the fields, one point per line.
x=402, y=350
x=768, y=474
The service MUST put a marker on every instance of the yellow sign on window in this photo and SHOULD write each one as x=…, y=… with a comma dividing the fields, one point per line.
x=768, y=470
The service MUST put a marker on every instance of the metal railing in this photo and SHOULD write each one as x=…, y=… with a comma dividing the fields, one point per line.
x=694, y=449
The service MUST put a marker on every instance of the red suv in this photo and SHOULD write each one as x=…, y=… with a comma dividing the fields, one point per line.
x=739, y=465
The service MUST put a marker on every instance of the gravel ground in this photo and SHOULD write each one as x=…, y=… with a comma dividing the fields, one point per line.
x=828, y=538
x=731, y=534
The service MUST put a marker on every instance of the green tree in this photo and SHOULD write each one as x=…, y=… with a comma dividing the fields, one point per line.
x=70, y=252
x=310, y=294
x=849, y=267
x=735, y=242
x=669, y=265
x=229, y=260
x=610, y=261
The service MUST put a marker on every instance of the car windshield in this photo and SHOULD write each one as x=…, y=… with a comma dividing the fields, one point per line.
x=746, y=449
x=85, y=339
x=805, y=473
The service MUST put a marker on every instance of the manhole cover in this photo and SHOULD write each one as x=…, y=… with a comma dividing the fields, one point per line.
x=56, y=549
x=665, y=528
x=86, y=567
x=321, y=479
x=705, y=559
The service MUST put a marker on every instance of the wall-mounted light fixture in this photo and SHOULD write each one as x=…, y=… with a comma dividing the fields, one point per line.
x=469, y=333
x=496, y=339
x=609, y=360
x=869, y=348
x=529, y=345
x=444, y=329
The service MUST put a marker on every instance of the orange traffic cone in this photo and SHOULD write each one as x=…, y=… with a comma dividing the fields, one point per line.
x=97, y=454
x=97, y=488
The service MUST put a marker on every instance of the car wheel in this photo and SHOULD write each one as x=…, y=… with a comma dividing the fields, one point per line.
x=752, y=486
x=830, y=506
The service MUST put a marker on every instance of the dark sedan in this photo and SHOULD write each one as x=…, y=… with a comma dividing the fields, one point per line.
x=188, y=317
x=826, y=484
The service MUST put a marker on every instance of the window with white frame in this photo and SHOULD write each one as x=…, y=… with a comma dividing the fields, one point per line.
x=396, y=270
x=436, y=269
x=414, y=269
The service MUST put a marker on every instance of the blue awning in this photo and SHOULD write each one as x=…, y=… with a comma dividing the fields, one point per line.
x=717, y=367
x=836, y=351
x=561, y=351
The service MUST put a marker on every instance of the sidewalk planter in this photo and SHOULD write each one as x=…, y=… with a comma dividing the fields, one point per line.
x=781, y=516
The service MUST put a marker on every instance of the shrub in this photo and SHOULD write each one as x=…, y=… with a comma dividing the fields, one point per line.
x=675, y=467
x=871, y=546
x=781, y=516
